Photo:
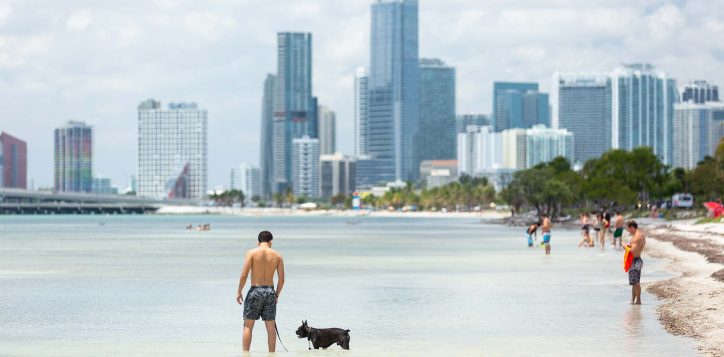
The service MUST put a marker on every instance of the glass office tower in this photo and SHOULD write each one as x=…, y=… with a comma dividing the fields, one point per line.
x=436, y=134
x=393, y=103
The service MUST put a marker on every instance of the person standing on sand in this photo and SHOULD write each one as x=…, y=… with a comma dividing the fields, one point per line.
x=638, y=242
x=618, y=233
x=547, y=233
x=261, y=300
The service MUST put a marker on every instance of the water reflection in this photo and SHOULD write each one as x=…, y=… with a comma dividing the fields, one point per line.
x=633, y=326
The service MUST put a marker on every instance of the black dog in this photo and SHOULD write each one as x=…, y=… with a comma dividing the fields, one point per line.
x=324, y=337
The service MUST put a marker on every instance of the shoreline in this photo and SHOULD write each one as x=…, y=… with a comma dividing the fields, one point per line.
x=692, y=302
x=286, y=212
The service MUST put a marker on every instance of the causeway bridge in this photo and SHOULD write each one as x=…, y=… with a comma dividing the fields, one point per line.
x=15, y=201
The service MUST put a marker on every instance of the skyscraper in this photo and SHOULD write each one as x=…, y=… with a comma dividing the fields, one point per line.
x=266, y=160
x=582, y=104
x=74, y=157
x=699, y=92
x=305, y=167
x=294, y=107
x=360, y=111
x=545, y=144
x=642, y=102
x=248, y=180
x=514, y=148
x=697, y=129
x=337, y=175
x=172, y=150
x=463, y=121
x=479, y=149
x=327, y=131
x=519, y=105
x=13, y=162
x=103, y=186
x=393, y=89
x=436, y=132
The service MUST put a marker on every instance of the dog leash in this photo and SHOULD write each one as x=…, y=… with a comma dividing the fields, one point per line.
x=279, y=337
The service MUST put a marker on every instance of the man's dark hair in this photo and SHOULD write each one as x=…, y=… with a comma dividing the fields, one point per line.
x=545, y=215
x=618, y=212
x=265, y=237
x=632, y=224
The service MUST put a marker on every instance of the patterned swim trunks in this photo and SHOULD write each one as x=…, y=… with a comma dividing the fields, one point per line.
x=634, y=273
x=547, y=238
x=260, y=302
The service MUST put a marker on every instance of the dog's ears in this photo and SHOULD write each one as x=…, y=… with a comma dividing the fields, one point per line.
x=305, y=322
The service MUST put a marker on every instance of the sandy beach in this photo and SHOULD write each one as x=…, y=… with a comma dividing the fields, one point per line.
x=260, y=212
x=693, y=301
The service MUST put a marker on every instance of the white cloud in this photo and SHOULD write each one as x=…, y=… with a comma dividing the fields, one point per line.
x=79, y=21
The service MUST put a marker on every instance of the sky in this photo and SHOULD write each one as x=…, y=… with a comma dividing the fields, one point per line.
x=94, y=61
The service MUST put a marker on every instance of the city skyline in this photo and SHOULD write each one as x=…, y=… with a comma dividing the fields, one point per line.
x=102, y=81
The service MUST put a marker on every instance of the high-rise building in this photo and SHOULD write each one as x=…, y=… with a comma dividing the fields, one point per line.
x=360, y=111
x=266, y=159
x=436, y=131
x=102, y=186
x=393, y=97
x=438, y=173
x=697, y=129
x=581, y=104
x=545, y=144
x=463, y=121
x=514, y=143
x=699, y=92
x=172, y=150
x=479, y=149
x=294, y=106
x=365, y=173
x=74, y=157
x=327, y=131
x=305, y=167
x=337, y=175
x=13, y=162
x=247, y=179
x=519, y=105
x=642, y=102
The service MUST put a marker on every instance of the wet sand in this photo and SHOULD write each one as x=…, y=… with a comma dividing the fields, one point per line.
x=693, y=302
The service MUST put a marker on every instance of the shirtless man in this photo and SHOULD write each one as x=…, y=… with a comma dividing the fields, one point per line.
x=638, y=242
x=618, y=233
x=261, y=300
x=547, y=233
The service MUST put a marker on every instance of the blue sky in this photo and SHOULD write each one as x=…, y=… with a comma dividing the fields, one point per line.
x=96, y=60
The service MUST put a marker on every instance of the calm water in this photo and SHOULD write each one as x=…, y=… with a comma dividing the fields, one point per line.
x=145, y=286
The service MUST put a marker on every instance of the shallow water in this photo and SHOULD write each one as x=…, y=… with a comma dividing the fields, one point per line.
x=142, y=285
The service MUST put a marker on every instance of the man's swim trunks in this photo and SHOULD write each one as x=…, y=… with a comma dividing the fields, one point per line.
x=634, y=273
x=547, y=237
x=260, y=302
x=618, y=233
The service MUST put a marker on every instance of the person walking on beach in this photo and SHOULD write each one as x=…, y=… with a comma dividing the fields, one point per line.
x=618, y=232
x=261, y=300
x=532, y=229
x=585, y=227
x=638, y=242
x=598, y=228
x=547, y=233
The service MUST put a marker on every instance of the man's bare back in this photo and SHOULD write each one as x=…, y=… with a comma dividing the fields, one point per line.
x=264, y=263
x=619, y=221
